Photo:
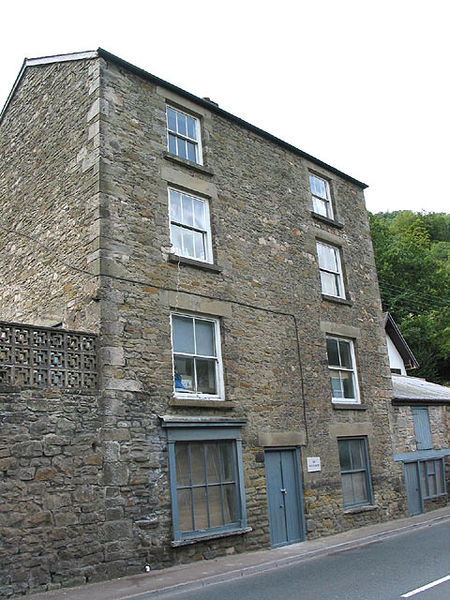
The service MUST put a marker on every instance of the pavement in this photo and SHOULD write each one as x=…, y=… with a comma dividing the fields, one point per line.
x=197, y=575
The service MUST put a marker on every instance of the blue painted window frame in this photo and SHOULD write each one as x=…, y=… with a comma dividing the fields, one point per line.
x=177, y=432
x=425, y=475
x=365, y=470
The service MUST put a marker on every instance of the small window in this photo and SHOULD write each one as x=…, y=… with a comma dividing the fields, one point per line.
x=321, y=199
x=197, y=363
x=432, y=478
x=330, y=268
x=183, y=135
x=341, y=364
x=190, y=231
x=355, y=476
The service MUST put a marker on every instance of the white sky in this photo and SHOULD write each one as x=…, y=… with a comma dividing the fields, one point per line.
x=361, y=84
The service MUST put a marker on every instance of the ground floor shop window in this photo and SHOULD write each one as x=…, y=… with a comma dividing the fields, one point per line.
x=206, y=479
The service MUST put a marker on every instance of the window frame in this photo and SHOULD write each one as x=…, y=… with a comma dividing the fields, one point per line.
x=339, y=274
x=328, y=202
x=366, y=470
x=203, y=433
x=354, y=371
x=196, y=142
x=206, y=233
x=425, y=476
x=220, y=395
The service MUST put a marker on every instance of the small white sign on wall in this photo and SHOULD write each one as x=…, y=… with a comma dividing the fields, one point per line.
x=313, y=463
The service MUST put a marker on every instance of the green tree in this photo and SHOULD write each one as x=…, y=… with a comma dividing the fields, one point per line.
x=411, y=253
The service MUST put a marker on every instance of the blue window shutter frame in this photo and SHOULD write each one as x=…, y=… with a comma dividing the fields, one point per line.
x=422, y=428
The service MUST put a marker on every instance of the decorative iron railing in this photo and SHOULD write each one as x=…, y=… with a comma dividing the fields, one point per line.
x=47, y=357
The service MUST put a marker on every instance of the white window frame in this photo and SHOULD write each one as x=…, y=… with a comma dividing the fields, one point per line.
x=338, y=275
x=195, y=395
x=197, y=142
x=206, y=233
x=317, y=200
x=353, y=371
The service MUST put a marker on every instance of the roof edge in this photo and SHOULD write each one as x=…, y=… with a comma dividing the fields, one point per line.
x=44, y=60
x=399, y=341
x=216, y=109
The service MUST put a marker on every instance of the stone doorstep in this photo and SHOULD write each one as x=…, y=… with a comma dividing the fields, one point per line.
x=197, y=575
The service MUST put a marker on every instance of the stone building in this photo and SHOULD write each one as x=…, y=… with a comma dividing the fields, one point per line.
x=421, y=431
x=227, y=280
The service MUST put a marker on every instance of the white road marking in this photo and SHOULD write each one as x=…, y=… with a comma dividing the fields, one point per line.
x=427, y=587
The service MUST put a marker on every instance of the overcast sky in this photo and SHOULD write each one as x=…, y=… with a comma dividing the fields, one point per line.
x=363, y=85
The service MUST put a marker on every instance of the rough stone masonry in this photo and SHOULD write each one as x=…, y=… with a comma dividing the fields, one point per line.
x=84, y=177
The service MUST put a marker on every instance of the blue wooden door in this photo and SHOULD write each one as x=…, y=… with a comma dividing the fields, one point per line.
x=284, y=497
x=413, y=493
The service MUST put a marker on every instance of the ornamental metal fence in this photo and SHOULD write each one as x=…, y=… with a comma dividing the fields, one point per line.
x=47, y=357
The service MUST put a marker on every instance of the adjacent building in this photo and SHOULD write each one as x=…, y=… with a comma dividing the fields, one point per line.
x=225, y=280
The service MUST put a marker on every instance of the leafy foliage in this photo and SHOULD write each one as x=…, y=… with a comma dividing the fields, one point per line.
x=412, y=252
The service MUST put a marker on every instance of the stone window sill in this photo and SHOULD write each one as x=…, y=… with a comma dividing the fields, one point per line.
x=189, y=164
x=345, y=406
x=195, y=403
x=337, y=300
x=174, y=258
x=360, y=509
x=214, y=536
x=326, y=220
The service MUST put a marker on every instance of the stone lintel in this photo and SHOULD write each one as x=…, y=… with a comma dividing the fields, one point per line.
x=282, y=438
x=189, y=302
x=340, y=329
x=351, y=429
x=178, y=178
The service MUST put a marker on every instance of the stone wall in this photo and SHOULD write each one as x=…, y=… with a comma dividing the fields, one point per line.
x=404, y=436
x=49, y=149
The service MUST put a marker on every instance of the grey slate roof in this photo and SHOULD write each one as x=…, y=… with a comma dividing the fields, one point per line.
x=415, y=391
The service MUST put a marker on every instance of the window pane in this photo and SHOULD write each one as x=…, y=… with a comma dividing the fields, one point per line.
x=199, y=214
x=183, y=334
x=192, y=130
x=188, y=215
x=188, y=243
x=182, y=150
x=328, y=283
x=176, y=238
x=184, y=374
x=346, y=354
x=356, y=454
x=172, y=144
x=212, y=463
x=182, y=464
x=175, y=206
x=318, y=186
x=191, y=152
x=230, y=508
x=347, y=382
x=206, y=376
x=197, y=463
x=347, y=489
x=181, y=122
x=336, y=384
x=332, y=351
x=439, y=477
x=205, y=338
x=184, y=510
x=200, y=512
x=327, y=257
x=359, y=488
x=344, y=455
x=227, y=455
x=432, y=485
x=320, y=206
x=199, y=246
x=215, y=506
x=171, y=119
